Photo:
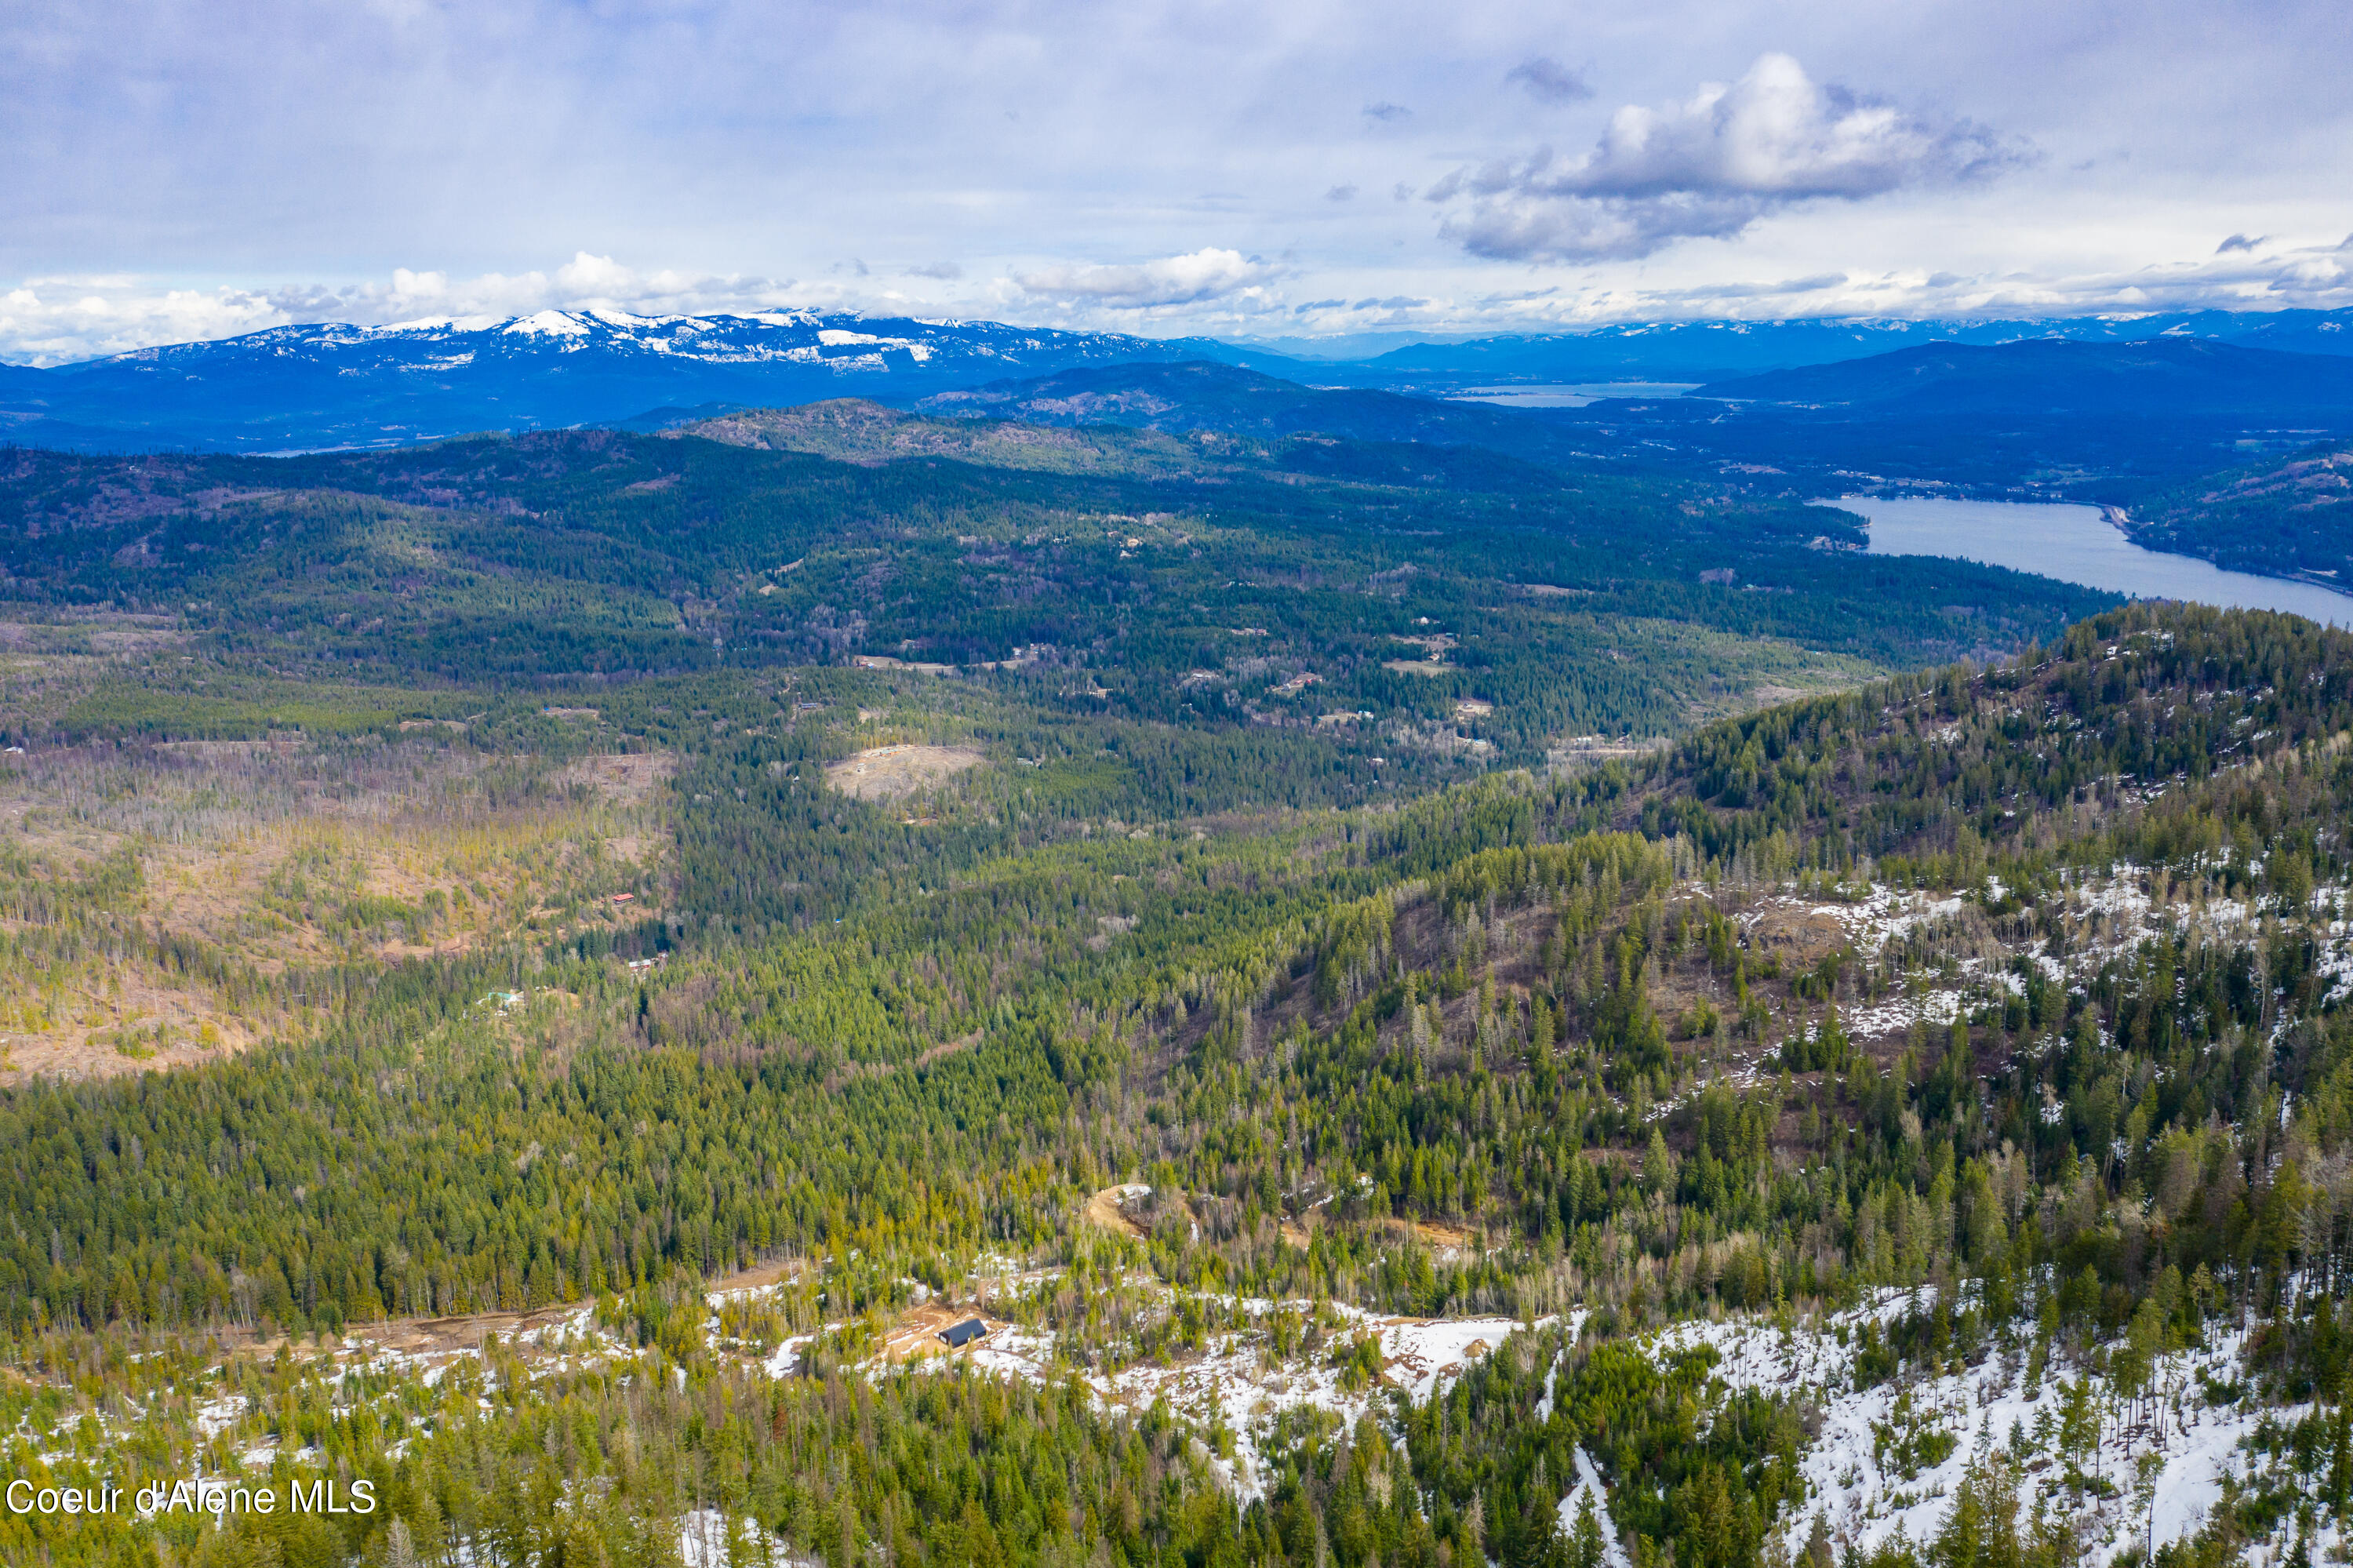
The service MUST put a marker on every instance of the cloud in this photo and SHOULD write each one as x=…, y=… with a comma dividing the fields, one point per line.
x=300, y=157
x=1394, y=303
x=2318, y=276
x=2239, y=242
x=1203, y=275
x=587, y=282
x=1549, y=80
x=1341, y=193
x=944, y=271
x=1728, y=291
x=1708, y=168
x=57, y=321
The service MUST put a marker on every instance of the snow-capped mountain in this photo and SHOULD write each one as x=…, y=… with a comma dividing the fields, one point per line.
x=1717, y=350
x=336, y=384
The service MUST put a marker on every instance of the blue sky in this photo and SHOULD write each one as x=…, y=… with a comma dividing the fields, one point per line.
x=178, y=170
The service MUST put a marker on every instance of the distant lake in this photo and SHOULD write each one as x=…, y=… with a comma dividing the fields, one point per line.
x=2077, y=545
x=1576, y=397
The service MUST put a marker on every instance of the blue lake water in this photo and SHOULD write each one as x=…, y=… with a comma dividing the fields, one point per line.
x=2077, y=545
x=1570, y=397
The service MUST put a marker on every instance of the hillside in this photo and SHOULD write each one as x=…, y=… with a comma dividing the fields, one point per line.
x=2170, y=377
x=545, y=975
x=1708, y=351
x=2289, y=517
x=1239, y=401
x=598, y=556
x=340, y=384
x=1923, y=1094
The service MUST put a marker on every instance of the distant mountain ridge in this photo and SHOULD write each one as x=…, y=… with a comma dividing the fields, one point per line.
x=1200, y=395
x=338, y=384
x=2166, y=376
x=1706, y=351
x=342, y=385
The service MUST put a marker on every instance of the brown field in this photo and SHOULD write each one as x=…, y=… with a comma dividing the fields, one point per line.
x=279, y=857
x=888, y=772
x=1104, y=1213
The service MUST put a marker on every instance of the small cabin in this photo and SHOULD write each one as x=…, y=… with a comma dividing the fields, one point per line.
x=964, y=1333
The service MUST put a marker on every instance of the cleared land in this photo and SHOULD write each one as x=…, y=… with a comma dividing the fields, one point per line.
x=1102, y=1210
x=164, y=903
x=888, y=772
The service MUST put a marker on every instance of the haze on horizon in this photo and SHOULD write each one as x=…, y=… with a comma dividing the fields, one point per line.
x=1310, y=170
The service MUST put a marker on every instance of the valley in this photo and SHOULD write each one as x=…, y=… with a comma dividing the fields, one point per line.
x=1435, y=1006
x=1078, y=786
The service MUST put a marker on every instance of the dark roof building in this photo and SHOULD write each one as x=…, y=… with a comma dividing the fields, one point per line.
x=964, y=1333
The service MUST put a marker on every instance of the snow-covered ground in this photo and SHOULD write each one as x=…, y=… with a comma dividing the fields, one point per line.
x=1235, y=1385
x=1859, y=1487
x=710, y=1539
x=2111, y=912
x=1589, y=1484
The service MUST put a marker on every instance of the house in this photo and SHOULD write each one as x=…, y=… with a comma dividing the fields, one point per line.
x=964, y=1333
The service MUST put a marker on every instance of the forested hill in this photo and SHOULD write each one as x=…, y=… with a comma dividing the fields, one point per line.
x=1210, y=575
x=2146, y=701
x=2289, y=515
x=1236, y=400
x=1434, y=1005
x=1962, y=1049
x=2198, y=751
x=2170, y=377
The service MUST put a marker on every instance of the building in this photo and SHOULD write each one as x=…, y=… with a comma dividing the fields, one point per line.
x=964, y=1333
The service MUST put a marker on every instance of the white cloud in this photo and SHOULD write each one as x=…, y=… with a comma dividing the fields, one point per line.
x=57, y=321
x=302, y=155
x=2313, y=277
x=54, y=321
x=586, y=282
x=1194, y=278
x=1709, y=167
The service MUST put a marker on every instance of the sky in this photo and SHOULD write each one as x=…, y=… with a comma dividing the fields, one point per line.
x=1313, y=168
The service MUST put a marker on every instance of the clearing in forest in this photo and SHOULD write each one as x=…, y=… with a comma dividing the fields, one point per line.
x=235, y=871
x=887, y=772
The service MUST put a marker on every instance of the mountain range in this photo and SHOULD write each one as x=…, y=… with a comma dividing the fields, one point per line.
x=1133, y=962
x=339, y=385
x=2160, y=376
x=1705, y=351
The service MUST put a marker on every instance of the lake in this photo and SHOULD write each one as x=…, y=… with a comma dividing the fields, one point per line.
x=2077, y=545
x=1569, y=396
